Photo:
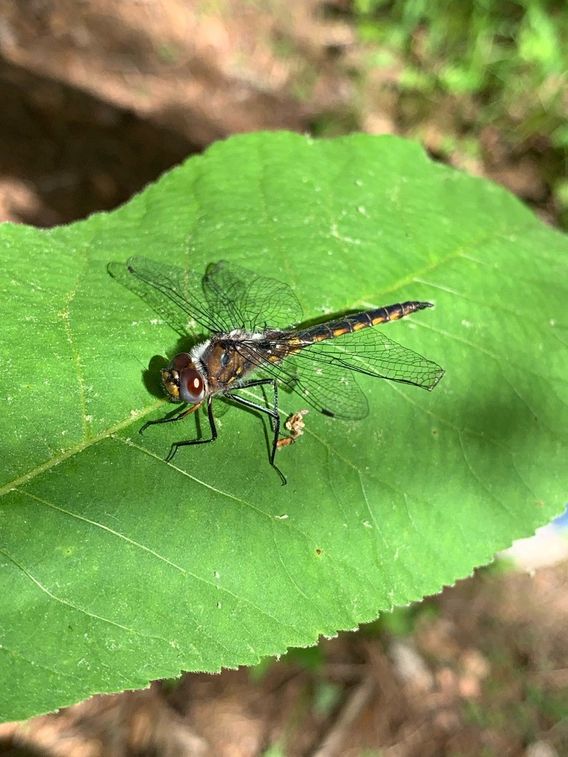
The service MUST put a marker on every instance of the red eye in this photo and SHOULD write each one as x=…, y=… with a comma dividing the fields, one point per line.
x=192, y=386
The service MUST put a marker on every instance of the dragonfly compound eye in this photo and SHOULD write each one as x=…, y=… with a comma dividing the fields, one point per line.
x=171, y=376
x=192, y=386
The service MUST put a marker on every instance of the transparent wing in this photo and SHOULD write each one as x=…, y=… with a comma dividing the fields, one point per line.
x=226, y=298
x=253, y=302
x=370, y=352
x=323, y=373
x=329, y=388
x=175, y=294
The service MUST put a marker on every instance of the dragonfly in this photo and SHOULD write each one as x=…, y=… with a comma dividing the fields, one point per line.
x=249, y=337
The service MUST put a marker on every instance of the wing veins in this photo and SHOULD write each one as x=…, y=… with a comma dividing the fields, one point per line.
x=330, y=393
x=374, y=354
x=199, y=314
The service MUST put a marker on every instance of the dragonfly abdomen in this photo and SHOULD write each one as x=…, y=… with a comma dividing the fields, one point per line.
x=350, y=323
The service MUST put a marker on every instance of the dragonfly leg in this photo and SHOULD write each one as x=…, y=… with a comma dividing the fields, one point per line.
x=272, y=413
x=176, y=445
x=169, y=418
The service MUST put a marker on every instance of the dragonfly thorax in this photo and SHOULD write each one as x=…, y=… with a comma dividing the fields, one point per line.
x=183, y=381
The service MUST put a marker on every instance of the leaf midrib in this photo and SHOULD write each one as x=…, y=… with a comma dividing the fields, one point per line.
x=85, y=444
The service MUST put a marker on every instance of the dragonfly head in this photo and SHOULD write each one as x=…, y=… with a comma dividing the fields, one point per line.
x=183, y=381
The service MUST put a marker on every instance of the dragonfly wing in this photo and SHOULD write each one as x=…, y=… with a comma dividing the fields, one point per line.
x=327, y=387
x=325, y=371
x=330, y=389
x=174, y=293
x=225, y=298
x=371, y=352
x=254, y=302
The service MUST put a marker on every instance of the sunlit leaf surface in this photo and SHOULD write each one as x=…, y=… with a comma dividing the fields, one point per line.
x=117, y=568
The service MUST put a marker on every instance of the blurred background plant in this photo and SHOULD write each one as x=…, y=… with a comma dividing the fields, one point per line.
x=497, y=51
x=492, y=63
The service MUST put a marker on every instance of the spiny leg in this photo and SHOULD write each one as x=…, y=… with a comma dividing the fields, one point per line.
x=272, y=413
x=175, y=446
x=169, y=418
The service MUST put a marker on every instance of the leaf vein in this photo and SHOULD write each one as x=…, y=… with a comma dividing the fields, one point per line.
x=71, y=605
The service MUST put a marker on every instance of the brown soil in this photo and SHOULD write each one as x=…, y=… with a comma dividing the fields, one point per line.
x=101, y=97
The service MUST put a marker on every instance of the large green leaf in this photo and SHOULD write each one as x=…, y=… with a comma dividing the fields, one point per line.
x=117, y=568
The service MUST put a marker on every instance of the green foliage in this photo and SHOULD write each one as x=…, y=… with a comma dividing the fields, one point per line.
x=500, y=51
x=401, y=621
x=275, y=750
x=562, y=195
x=326, y=697
x=117, y=568
x=309, y=658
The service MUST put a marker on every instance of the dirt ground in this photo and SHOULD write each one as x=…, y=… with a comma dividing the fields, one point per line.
x=99, y=98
